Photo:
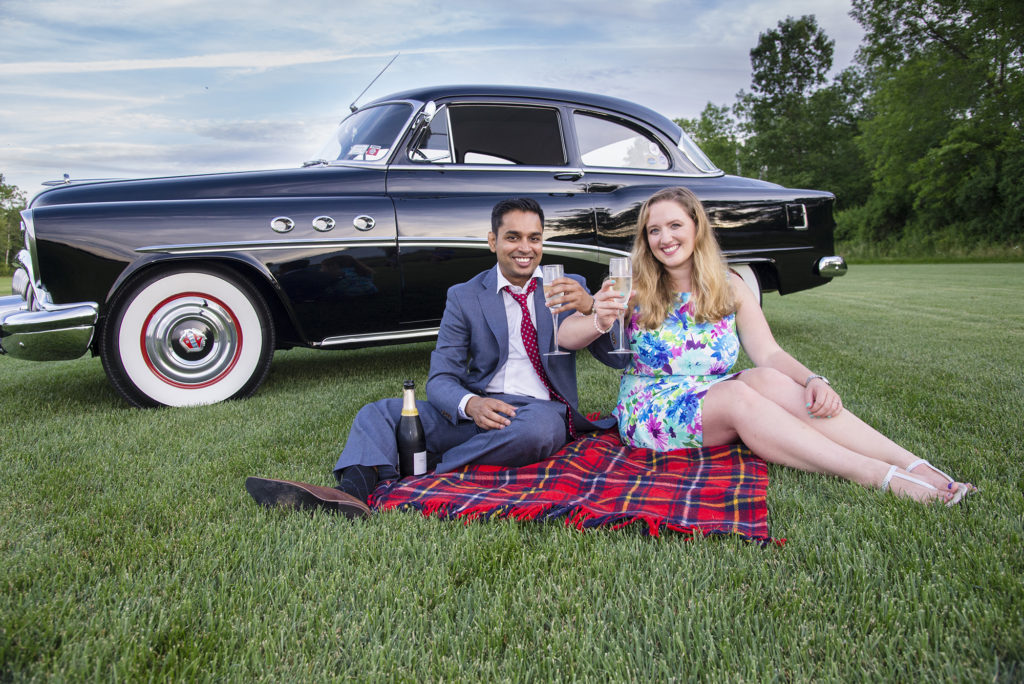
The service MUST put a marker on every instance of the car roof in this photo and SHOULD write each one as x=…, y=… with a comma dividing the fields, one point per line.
x=662, y=123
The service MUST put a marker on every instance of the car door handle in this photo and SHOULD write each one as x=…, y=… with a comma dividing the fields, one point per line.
x=574, y=175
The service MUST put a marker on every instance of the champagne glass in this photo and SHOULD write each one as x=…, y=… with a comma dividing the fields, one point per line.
x=549, y=273
x=621, y=271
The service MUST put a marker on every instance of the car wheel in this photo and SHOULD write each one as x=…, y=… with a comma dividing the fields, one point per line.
x=187, y=336
x=750, y=279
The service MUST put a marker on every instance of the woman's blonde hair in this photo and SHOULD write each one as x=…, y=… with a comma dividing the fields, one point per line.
x=711, y=298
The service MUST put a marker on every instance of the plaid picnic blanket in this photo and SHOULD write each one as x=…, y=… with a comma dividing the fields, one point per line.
x=596, y=481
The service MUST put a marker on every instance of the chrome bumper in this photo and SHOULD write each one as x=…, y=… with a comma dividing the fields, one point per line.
x=831, y=266
x=35, y=329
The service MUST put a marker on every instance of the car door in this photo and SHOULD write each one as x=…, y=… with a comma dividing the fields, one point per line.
x=472, y=154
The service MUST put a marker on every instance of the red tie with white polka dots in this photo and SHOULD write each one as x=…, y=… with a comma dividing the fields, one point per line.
x=529, y=333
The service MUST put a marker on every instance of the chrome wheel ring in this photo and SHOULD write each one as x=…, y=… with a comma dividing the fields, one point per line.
x=191, y=340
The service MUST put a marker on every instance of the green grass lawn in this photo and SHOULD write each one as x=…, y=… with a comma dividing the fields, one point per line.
x=130, y=550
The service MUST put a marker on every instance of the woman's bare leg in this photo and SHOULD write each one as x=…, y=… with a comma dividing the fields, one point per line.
x=734, y=410
x=844, y=429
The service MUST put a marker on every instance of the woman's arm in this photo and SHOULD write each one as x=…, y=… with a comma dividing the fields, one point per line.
x=759, y=343
x=577, y=331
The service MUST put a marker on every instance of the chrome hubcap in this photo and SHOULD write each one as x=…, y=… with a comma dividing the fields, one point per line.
x=191, y=340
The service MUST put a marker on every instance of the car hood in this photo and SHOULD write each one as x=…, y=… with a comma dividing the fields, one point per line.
x=302, y=182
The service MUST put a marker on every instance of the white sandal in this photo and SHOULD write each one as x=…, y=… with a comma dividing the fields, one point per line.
x=922, y=461
x=894, y=472
x=961, y=488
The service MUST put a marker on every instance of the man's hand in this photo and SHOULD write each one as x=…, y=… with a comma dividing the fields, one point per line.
x=569, y=295
x=489, y=413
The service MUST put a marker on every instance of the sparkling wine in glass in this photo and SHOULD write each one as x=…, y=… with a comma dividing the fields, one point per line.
x=620, y=269
x=550, y=273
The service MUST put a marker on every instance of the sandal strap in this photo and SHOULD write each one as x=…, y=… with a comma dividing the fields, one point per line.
x=888, y=476
x=909, y=478
x=922, y=461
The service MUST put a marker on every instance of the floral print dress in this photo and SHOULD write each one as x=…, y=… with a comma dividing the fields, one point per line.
x=661, y=394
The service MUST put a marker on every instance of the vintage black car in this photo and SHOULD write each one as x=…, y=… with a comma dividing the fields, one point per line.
x=185, y=286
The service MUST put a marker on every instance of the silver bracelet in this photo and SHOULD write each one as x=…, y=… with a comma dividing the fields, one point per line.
x=816, y=377
x=598, y=327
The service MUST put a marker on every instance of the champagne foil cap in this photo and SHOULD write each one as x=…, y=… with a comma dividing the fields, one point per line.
x=409, y=384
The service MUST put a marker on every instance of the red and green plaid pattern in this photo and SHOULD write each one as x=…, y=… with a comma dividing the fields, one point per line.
x=598, y=481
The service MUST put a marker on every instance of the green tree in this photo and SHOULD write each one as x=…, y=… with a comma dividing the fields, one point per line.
x=800, y=130
x=945, y=142
x=717, y=133
x=12, y=201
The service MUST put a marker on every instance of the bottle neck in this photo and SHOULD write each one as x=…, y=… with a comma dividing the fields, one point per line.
x=409, y=403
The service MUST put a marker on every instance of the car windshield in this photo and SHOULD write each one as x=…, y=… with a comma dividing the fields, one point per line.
x=367, y=135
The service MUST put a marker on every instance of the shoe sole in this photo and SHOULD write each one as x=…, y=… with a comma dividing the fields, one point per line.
x=281, y=494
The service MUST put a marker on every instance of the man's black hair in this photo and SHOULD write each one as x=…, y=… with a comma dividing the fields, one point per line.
x=514, y=204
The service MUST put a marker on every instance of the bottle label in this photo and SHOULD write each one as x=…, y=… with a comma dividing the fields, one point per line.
x=419, y=463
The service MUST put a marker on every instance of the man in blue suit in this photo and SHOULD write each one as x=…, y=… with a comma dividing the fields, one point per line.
x=493, y=397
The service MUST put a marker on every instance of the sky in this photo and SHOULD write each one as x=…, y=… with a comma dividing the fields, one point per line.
x=136, y=88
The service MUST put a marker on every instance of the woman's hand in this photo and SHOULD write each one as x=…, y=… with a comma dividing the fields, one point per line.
x=822, y=401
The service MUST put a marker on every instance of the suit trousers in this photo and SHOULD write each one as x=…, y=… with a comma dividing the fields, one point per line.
x=537, y=431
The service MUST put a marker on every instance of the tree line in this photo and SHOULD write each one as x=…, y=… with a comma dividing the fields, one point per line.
x=921, y=139
x=12, y=201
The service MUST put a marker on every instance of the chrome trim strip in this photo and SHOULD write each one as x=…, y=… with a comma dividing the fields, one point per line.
x=551, y=248
x=741, y=253
x=419, y=333
x=260, y=245
x=547, y=169
x=738, y=258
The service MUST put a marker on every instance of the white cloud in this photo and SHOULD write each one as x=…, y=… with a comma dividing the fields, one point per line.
x=133, y=87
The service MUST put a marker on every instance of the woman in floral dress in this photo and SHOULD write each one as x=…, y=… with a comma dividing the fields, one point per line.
x=688, y=317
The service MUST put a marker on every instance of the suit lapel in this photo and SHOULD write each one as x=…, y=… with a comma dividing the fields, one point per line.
x=493, y=306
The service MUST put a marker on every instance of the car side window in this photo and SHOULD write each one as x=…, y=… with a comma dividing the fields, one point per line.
x=611, y=143
x=494, y=134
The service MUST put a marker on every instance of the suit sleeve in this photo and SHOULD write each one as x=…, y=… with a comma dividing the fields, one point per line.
x=449, y=360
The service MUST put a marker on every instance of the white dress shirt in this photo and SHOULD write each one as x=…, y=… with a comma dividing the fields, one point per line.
x=517, y=375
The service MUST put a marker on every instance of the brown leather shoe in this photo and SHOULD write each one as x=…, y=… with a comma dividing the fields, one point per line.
x=304, y=497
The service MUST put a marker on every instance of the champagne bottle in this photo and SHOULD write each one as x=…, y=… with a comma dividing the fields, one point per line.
x=412, y=442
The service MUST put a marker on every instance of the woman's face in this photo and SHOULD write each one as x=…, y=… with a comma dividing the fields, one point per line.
x=671, y=234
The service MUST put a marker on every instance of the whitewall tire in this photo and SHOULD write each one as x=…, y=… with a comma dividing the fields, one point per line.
x=186, y=337
x=750, y=279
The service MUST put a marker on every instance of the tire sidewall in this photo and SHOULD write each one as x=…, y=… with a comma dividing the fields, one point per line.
x=125, y=359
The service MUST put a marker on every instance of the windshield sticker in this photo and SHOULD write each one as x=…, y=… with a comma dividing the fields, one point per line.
x=374, y=152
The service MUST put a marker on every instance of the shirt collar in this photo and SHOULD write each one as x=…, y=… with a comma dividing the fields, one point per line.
x=503, y=281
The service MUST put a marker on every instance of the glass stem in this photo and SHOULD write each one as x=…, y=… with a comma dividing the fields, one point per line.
x=554, y=327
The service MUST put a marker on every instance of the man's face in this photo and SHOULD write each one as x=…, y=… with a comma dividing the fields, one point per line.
x=518, y=245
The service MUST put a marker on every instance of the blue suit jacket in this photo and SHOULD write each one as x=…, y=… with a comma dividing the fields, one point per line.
x=472, y=344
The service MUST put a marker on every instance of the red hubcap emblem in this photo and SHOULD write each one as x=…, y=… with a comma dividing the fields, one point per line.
x=193, y=340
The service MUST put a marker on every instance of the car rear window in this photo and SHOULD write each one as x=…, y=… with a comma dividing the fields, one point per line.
x=607, y=142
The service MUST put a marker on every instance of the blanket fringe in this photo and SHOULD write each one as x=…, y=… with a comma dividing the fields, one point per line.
x=573, y=516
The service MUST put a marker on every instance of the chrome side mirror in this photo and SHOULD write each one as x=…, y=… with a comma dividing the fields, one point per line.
x=429, y=110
